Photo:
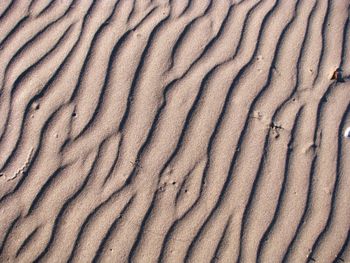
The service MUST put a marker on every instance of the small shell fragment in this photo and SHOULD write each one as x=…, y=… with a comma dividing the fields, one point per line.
x=347, y=133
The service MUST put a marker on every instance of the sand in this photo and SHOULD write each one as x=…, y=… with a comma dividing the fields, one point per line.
x=174, y=131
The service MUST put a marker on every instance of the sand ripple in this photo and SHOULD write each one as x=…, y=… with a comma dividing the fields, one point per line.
x=174, y=131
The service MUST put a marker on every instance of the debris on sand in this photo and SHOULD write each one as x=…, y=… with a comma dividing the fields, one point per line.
x=338, y=75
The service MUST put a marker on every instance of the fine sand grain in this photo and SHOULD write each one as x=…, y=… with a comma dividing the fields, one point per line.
x=175, y=131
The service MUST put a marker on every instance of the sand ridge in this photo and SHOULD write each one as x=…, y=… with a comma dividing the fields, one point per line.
x=174, y=131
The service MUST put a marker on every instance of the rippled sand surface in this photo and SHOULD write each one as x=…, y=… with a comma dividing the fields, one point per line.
x=174, y=131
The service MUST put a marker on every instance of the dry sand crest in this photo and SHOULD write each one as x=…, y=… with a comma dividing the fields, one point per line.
x=174, y=131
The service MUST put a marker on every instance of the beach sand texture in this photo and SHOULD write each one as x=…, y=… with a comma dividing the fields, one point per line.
x=174, y=131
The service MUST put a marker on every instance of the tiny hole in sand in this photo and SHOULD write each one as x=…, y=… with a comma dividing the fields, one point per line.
x=36, y=105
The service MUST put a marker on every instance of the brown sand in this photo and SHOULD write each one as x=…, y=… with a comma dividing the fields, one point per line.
x=174, y=131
